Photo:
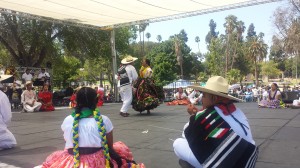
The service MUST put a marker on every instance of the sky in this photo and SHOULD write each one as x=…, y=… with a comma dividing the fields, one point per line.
x=260, y=16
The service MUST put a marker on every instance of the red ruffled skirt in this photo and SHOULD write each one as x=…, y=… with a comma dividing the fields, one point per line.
x=62, y=159
x=179, y=102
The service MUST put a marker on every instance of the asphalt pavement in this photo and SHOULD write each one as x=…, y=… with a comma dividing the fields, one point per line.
x=150, y=137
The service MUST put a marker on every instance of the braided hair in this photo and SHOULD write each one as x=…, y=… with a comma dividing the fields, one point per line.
x=87, y=97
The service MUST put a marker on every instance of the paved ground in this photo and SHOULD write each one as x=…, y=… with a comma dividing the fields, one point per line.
x=150, y=137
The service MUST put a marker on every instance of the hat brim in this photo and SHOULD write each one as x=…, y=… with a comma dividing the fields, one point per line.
x=79, y=87
x=28, y=82
x=6, y=79
x=205, y=90
x=125, y=62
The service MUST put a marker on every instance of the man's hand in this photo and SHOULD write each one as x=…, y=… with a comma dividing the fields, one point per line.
x=191, y=109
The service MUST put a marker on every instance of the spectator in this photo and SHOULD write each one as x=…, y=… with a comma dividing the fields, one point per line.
x=27, y=76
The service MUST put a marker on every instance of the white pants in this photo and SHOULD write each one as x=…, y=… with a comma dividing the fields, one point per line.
x=35, y=107
x=184, y=152
x=126, y=96
x=7, y=139
x=296, y=102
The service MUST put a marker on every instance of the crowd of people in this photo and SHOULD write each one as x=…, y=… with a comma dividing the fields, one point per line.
x=217, y=135
x=22, y=94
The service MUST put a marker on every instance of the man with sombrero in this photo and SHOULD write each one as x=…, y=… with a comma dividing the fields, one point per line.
x=7, y=139
x=219, y=135
x=29, y=99
x=127, y=75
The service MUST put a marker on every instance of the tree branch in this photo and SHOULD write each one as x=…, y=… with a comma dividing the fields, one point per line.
x=9, y=48
x=41, y=57
x=14, y=31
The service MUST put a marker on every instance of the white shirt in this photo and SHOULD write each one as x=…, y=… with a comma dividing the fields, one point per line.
x=27, y=77
x=5, y=110
x=1, y=72
x=183, y=95
x=131, y=72
x=46, y=74
x=88, y=131
x=28, y=96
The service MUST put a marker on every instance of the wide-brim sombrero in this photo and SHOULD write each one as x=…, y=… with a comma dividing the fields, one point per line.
x=6, y=79
x=128, y=59
x=216, y=85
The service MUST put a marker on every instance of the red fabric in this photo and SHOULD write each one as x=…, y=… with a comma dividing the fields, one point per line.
x=46, y=100
x=179, y=102
x=226, y=103
x=73, y=100
x=100, y=95
x=62, y=159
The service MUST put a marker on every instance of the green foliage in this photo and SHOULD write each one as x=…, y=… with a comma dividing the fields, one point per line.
x=233, y=76
x=251, y=32
x=212, y=31
x=269, y=69
x=215, y=59
x=65, y=70
x=164, y=70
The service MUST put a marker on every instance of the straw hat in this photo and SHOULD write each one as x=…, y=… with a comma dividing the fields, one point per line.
x=128, y=59
x=28, y=82
x=216, y=85
x=3, y=77
x=79, y=87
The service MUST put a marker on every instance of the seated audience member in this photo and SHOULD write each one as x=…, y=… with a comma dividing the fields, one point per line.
x=273, y=99
x=89, y=139
x=45, y=97
x=43, y=74
x=27, y=76
x=29, y=99
x=7, y=139
x=16, y=96
x=219, y=135
x=248, y=95
x=296, y=103
x=180, y=98
x=195, y=97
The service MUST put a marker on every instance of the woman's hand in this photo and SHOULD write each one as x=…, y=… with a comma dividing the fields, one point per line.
x=191, y=109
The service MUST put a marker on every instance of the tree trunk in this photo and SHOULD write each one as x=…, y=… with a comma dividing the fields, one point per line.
x=181, y=70
x=256, y=75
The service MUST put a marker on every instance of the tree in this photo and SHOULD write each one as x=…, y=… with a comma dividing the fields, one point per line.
x=31, y=41
x=251, y=32
x=65, y=70
x=159, y=38
x=257, y=52
x=240, y=28
x=269, y=69
x=277, y=53
x=197, y=40
x=148, y=35
x=230, y=25
x=179, y=57
x=233, y=76
x=214, y=58
x=28, y=41
x=142, y=28
x=212, y=31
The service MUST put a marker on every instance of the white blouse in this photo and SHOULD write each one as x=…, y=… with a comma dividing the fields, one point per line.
x=88, y=131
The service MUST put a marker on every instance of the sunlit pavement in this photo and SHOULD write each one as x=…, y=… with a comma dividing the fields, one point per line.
x=150, y=137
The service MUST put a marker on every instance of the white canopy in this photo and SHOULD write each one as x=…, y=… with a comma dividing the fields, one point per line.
x=177, y=84
x=107, y=13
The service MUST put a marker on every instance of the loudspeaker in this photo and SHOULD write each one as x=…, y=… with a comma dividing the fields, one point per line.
x=289, y=97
